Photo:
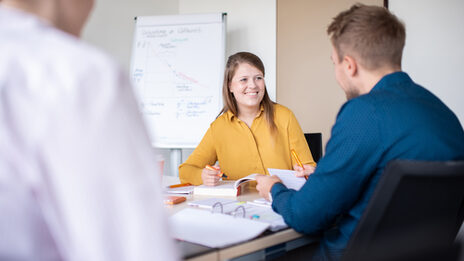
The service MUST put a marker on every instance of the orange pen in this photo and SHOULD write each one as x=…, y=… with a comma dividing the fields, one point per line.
x=180, y=185
x=222, y=175
x=297, y=159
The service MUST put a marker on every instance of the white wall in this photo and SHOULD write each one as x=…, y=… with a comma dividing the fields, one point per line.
x=111, y=24
x=251, y=26
x=434, y=53
x=305, y=75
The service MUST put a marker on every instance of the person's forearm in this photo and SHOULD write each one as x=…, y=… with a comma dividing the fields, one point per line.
x=190, y=174
x=296, y=213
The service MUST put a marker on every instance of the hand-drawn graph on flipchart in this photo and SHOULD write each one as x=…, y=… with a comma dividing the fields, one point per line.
x=177, y=71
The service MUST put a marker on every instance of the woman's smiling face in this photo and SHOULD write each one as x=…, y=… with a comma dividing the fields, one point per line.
x=248, y=87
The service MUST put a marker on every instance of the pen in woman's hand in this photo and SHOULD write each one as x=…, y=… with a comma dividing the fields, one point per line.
x=222, y=175
x=298, y=161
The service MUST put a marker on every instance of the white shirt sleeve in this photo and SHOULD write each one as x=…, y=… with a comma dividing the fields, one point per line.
x=106, y=187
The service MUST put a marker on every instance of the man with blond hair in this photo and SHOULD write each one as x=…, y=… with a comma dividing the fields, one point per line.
x=387, y=117
x=76, y=166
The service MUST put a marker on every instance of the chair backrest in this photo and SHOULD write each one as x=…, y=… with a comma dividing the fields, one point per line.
x=416, y=207
x=314, y=141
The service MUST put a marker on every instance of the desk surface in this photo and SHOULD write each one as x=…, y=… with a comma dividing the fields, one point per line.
x=194, y=252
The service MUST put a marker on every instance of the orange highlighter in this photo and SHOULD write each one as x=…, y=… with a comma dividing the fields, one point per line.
x=222, y=175
x=297, y=159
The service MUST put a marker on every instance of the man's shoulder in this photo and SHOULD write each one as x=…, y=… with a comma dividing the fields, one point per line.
x=59, y=63
x=58, y=53
x=363, y=104
x=29, y=41
x=77, y=52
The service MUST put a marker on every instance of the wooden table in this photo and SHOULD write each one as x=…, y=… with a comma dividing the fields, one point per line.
x=266, y=245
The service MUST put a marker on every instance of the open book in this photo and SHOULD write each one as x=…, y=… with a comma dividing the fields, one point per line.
x=225, y=188
x=288, y=177
x=230, y=188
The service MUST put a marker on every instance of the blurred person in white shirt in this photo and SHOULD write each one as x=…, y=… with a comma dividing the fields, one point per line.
x=77, y=172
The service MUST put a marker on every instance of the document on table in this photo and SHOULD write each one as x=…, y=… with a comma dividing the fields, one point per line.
x=265, y=214
x=288, y=178
x=214, y=229
x=209, y=202
x=260, y=212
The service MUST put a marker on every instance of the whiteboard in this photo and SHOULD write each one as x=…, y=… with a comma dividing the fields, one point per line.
x=177, y=70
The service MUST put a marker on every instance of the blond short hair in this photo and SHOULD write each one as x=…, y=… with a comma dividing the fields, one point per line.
x=371, y=34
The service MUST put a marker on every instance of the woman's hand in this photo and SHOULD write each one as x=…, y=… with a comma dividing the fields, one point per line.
x=303, y=172
x=211, y=176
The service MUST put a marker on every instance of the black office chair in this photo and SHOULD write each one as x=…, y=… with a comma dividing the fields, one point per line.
x=314, y=141
x=414, y=214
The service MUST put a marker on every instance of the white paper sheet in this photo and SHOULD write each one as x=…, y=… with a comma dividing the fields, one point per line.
x=209, y=202
x=214, y=230
x=264, y=214
x=288, y=178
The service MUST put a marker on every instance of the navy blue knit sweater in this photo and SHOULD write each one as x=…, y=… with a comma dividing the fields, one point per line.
x=397, y=119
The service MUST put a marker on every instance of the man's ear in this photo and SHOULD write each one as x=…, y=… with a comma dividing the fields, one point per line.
x=350, y=65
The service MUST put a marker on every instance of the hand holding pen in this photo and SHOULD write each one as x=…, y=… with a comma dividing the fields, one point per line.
x=211, y=175
x=301, y=170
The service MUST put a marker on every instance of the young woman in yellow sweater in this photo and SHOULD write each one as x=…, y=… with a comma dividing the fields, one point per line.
x=251, y=133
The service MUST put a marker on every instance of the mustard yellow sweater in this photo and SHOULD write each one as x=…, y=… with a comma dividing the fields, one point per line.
x=241, y=150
